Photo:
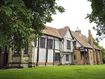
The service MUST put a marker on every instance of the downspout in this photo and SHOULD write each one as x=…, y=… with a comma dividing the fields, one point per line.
x=37, y=60
x=54, y=53
x=46, y=52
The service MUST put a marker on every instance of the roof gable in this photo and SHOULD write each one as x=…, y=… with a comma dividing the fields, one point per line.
x=65, y=32
x=68, y=34
x=51, y=31
x=83, y=40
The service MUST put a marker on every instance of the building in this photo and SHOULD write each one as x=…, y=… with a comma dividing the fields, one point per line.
x=66, y=45
x=54, y=47
x=85, y=51
x=47, y=50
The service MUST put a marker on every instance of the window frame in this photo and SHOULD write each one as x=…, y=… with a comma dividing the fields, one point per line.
x=57, y=57
x=67, y=57
x=42, y=42
x=50, y=43
x=68, y=44
x=74, y=44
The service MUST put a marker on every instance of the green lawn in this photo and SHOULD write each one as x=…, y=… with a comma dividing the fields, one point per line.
x=56, y=72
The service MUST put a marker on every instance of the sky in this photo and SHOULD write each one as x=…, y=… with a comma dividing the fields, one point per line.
x=75, y=16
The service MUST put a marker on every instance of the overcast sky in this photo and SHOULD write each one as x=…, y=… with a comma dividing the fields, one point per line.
x=74, y=16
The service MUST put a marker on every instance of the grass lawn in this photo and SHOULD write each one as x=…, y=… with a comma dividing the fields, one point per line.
x=56, y=72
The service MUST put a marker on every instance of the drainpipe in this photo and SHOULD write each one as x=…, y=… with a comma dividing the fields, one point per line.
x=37, y=60
x=46, y=52
x=54, y=53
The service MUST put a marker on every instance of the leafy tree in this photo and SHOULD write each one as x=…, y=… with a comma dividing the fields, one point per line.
x=23, y=20
x=103, y=53
x=98, y=15
x=102, y=50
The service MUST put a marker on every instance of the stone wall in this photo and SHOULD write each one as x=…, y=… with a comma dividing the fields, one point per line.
x=88, y=57
x=77, y=57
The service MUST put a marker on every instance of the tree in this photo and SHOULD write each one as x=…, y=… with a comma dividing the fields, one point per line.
x=22, y=20
x=98, y=16
x=102, y=50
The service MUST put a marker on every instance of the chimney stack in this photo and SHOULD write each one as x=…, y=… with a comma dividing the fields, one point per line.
x=90, y=38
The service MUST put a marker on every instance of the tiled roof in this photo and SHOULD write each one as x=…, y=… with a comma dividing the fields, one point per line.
x=96, y=47
x=51, y=31
x=60, y=33
x=63, y=31
x=83, y=40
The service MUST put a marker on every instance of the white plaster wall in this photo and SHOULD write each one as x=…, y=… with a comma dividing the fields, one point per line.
x=42, y=55
x=57, y=44
x=67, y=37
x=50, y=55
x=78, y=44
x=72, y=47
x=57, y=51
x=35, y=54
x=65, y=45
x=42, y=51
x=64, y=59
x=62, y=45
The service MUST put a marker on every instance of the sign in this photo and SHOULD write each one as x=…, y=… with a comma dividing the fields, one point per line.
x=83, y=49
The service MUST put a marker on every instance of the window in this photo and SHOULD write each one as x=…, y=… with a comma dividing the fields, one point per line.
x=50, y=43
x=42, y=42
x=74, y=44
x=74, y=57
x=67, y=57
x=82, y=54
x=16, y=51
x=57, y=56
x=68, y=44
x=26, y=50
x=35, y=43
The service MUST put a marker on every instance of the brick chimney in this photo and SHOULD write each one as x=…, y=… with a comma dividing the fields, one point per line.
x=90, y=38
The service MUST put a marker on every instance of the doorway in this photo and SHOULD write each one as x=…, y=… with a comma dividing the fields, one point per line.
x=4, y=58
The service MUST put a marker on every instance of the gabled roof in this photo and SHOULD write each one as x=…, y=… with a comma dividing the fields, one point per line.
x=60, y=33
x=83, y=40
x=51, y=31
x=63, y=31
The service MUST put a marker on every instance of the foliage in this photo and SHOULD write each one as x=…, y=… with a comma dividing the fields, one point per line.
x=103, y=54
x=98, y=15
x=102, y=50
x=56, y=72
x=22, y=19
